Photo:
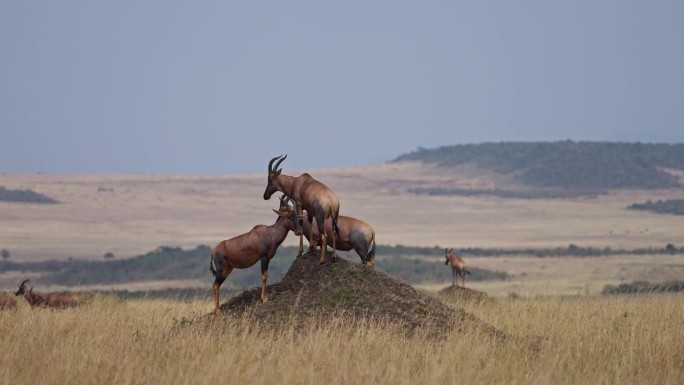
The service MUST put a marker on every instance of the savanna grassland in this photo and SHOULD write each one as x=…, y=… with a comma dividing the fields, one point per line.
x=557, y=340
x=557, y=328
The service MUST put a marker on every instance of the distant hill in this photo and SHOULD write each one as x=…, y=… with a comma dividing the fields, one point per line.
x=24, y=196
x=588, y=166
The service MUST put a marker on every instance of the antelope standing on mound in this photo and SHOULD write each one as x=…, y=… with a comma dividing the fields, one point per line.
x=458, y=266
x=259, y=244
x=353, y=234
x=319, y=201
x=7, y=302
x=58, y=300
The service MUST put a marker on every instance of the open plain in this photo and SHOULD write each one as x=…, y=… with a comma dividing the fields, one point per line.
x=556, y=328
x=129, y=215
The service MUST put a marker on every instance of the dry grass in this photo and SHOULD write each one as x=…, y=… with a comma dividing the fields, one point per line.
x=583, y=340
x=534, y=276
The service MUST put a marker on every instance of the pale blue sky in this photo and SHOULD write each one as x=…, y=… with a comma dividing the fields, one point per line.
x=223, y=86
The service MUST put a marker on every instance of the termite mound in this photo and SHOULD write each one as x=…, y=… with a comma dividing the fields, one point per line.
x=342, y=288
x=462, y=295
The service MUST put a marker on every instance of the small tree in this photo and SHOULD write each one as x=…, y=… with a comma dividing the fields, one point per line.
x=109, y=255
x=5, y=254
x=670, y=248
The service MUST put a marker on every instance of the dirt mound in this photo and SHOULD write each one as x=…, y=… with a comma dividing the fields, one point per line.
x=352, y=290
x=461, y=295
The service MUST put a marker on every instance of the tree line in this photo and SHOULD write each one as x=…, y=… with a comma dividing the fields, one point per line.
x=671, y=206
x=408, y=263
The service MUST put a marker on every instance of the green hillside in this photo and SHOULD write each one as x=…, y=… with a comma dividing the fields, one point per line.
x=568, y=164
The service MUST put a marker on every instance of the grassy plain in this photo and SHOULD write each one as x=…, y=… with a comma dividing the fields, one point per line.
x=557, y=340
x=130, y=215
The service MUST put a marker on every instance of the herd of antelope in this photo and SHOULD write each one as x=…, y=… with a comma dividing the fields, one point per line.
x=300, y=194
x=320, y=223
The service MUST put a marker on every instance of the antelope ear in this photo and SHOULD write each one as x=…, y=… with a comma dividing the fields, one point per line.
x=277, y=212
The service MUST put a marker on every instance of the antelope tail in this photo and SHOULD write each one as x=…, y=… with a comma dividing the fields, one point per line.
x=371, y=253
x=334, y=222
x=212, y=268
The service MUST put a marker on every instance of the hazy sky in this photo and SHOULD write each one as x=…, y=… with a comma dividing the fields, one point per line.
x=223, y=86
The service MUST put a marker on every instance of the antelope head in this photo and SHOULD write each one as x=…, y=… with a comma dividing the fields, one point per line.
x=287, y=212
x=22, y=288
x=447, y=252
x=273, y=173
x=285, y=203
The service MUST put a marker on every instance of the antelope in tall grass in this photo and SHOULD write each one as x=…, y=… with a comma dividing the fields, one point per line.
x=57, y=300
x=7, y=302
x=259, y=244
x=319, y=201
x=458, y=266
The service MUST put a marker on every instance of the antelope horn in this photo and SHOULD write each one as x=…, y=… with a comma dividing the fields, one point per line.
x=294, y=204
x=278, y=164
x=23, y=283
x=271, y=163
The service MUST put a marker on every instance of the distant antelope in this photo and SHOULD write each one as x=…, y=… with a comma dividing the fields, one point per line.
x=58, y=300
x=7, y=302
x=317, y=199
x=458, y=267
x=259, y=244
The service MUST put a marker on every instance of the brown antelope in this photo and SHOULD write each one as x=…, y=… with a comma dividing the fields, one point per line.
x=319, y=201
x=458, y=266
x=353, y=234
x=259, y=244
x=58, y=300
x=7, y=302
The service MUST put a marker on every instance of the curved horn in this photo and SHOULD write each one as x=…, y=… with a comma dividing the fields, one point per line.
x=270, y=169
x=294, y=204
x=278, y=164
x=23, y=283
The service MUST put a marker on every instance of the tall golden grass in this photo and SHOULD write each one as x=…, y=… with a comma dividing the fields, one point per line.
x=581, y=340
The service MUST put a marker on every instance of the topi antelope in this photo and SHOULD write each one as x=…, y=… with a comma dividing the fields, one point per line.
x=354, y=234
x=58, y=300
x=7, y=302
x=458, y=266
x=259, y=244
x=319, y=201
